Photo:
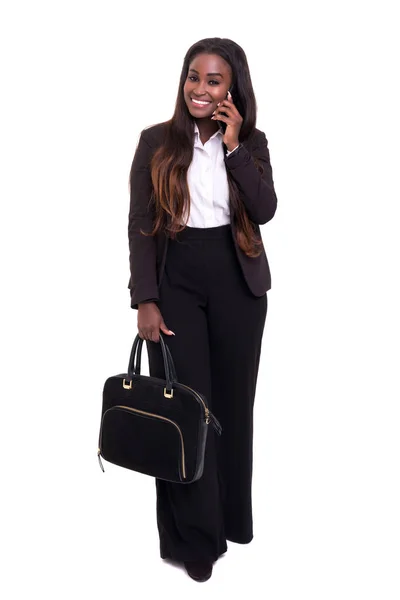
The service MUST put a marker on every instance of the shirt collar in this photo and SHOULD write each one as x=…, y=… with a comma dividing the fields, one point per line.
x=197, y=132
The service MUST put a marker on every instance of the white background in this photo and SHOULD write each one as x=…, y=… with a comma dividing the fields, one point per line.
x=80, y=80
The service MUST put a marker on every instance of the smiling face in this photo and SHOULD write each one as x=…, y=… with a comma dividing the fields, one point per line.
x=208, y=80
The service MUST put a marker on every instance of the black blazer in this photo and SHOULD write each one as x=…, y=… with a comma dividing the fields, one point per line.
x=147, y=253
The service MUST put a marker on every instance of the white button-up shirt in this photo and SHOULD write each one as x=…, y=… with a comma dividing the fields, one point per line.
x=208, y=183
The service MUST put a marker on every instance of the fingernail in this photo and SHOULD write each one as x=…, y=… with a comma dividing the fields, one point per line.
x=171, y=332
x=218, y=103
x=214, y=112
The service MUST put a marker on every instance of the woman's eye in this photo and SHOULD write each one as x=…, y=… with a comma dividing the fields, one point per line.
x=192, y=77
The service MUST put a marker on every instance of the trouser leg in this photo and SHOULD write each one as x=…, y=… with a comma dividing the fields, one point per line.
x=189, y=516
x=236, y=324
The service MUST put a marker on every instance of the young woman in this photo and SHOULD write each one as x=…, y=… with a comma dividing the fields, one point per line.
x=201, y=184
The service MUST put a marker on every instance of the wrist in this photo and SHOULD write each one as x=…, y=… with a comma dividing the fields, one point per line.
x=232, y=145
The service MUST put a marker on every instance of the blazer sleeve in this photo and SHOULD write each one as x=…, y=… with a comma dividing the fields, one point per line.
x=142, y=249
x=256, y=189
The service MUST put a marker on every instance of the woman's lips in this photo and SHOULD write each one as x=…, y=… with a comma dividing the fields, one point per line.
x=200, y=105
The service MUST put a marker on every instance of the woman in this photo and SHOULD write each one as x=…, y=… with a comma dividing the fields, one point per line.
x=201, y=184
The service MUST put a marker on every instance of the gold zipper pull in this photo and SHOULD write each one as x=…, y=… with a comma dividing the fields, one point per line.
x=100, y=462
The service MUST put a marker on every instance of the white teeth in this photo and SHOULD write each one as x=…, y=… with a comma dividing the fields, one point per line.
x=199, y=101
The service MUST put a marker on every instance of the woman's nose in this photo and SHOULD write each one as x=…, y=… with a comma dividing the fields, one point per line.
x=199, y=90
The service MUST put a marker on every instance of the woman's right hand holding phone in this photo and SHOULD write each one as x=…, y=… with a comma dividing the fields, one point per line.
x=150, y=322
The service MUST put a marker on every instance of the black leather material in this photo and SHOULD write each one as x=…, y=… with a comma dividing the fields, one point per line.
x=144, y=429
x=199, y=570
x=139, y=347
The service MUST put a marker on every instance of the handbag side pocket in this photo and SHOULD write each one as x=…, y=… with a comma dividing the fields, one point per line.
x=143, y=442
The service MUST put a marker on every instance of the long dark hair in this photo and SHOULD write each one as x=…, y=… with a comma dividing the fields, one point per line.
x=171, y=160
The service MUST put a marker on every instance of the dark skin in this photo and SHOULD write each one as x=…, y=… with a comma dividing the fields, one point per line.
x=209, y=79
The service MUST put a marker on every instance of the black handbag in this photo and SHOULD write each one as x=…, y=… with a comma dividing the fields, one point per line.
x=154, y=426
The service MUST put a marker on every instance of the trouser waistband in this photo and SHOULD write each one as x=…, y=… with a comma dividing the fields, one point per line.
x=204, y=233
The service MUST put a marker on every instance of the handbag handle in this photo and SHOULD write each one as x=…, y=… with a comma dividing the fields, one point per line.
x=169, y=367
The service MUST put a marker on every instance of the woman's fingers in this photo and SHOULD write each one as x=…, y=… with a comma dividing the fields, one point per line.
x=228, y=107
x=165, y=329
x=225, y=109
x=150, y=322
x=227, y=112
x=220, y=117
x=153, y=333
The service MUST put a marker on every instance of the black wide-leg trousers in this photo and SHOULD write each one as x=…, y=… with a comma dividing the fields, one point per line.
x=218, y=325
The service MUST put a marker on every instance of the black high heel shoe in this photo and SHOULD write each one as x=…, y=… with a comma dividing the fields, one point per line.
x=199, y=570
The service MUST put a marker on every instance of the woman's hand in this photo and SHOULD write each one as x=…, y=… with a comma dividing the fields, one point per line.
x=233, y=121
x=150, y=322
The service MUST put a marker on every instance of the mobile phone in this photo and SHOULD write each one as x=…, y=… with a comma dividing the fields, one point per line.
x=222, y=124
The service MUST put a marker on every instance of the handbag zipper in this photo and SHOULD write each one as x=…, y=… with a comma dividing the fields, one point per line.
x=208, y=418
x=206, y=410
x=157, y=417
